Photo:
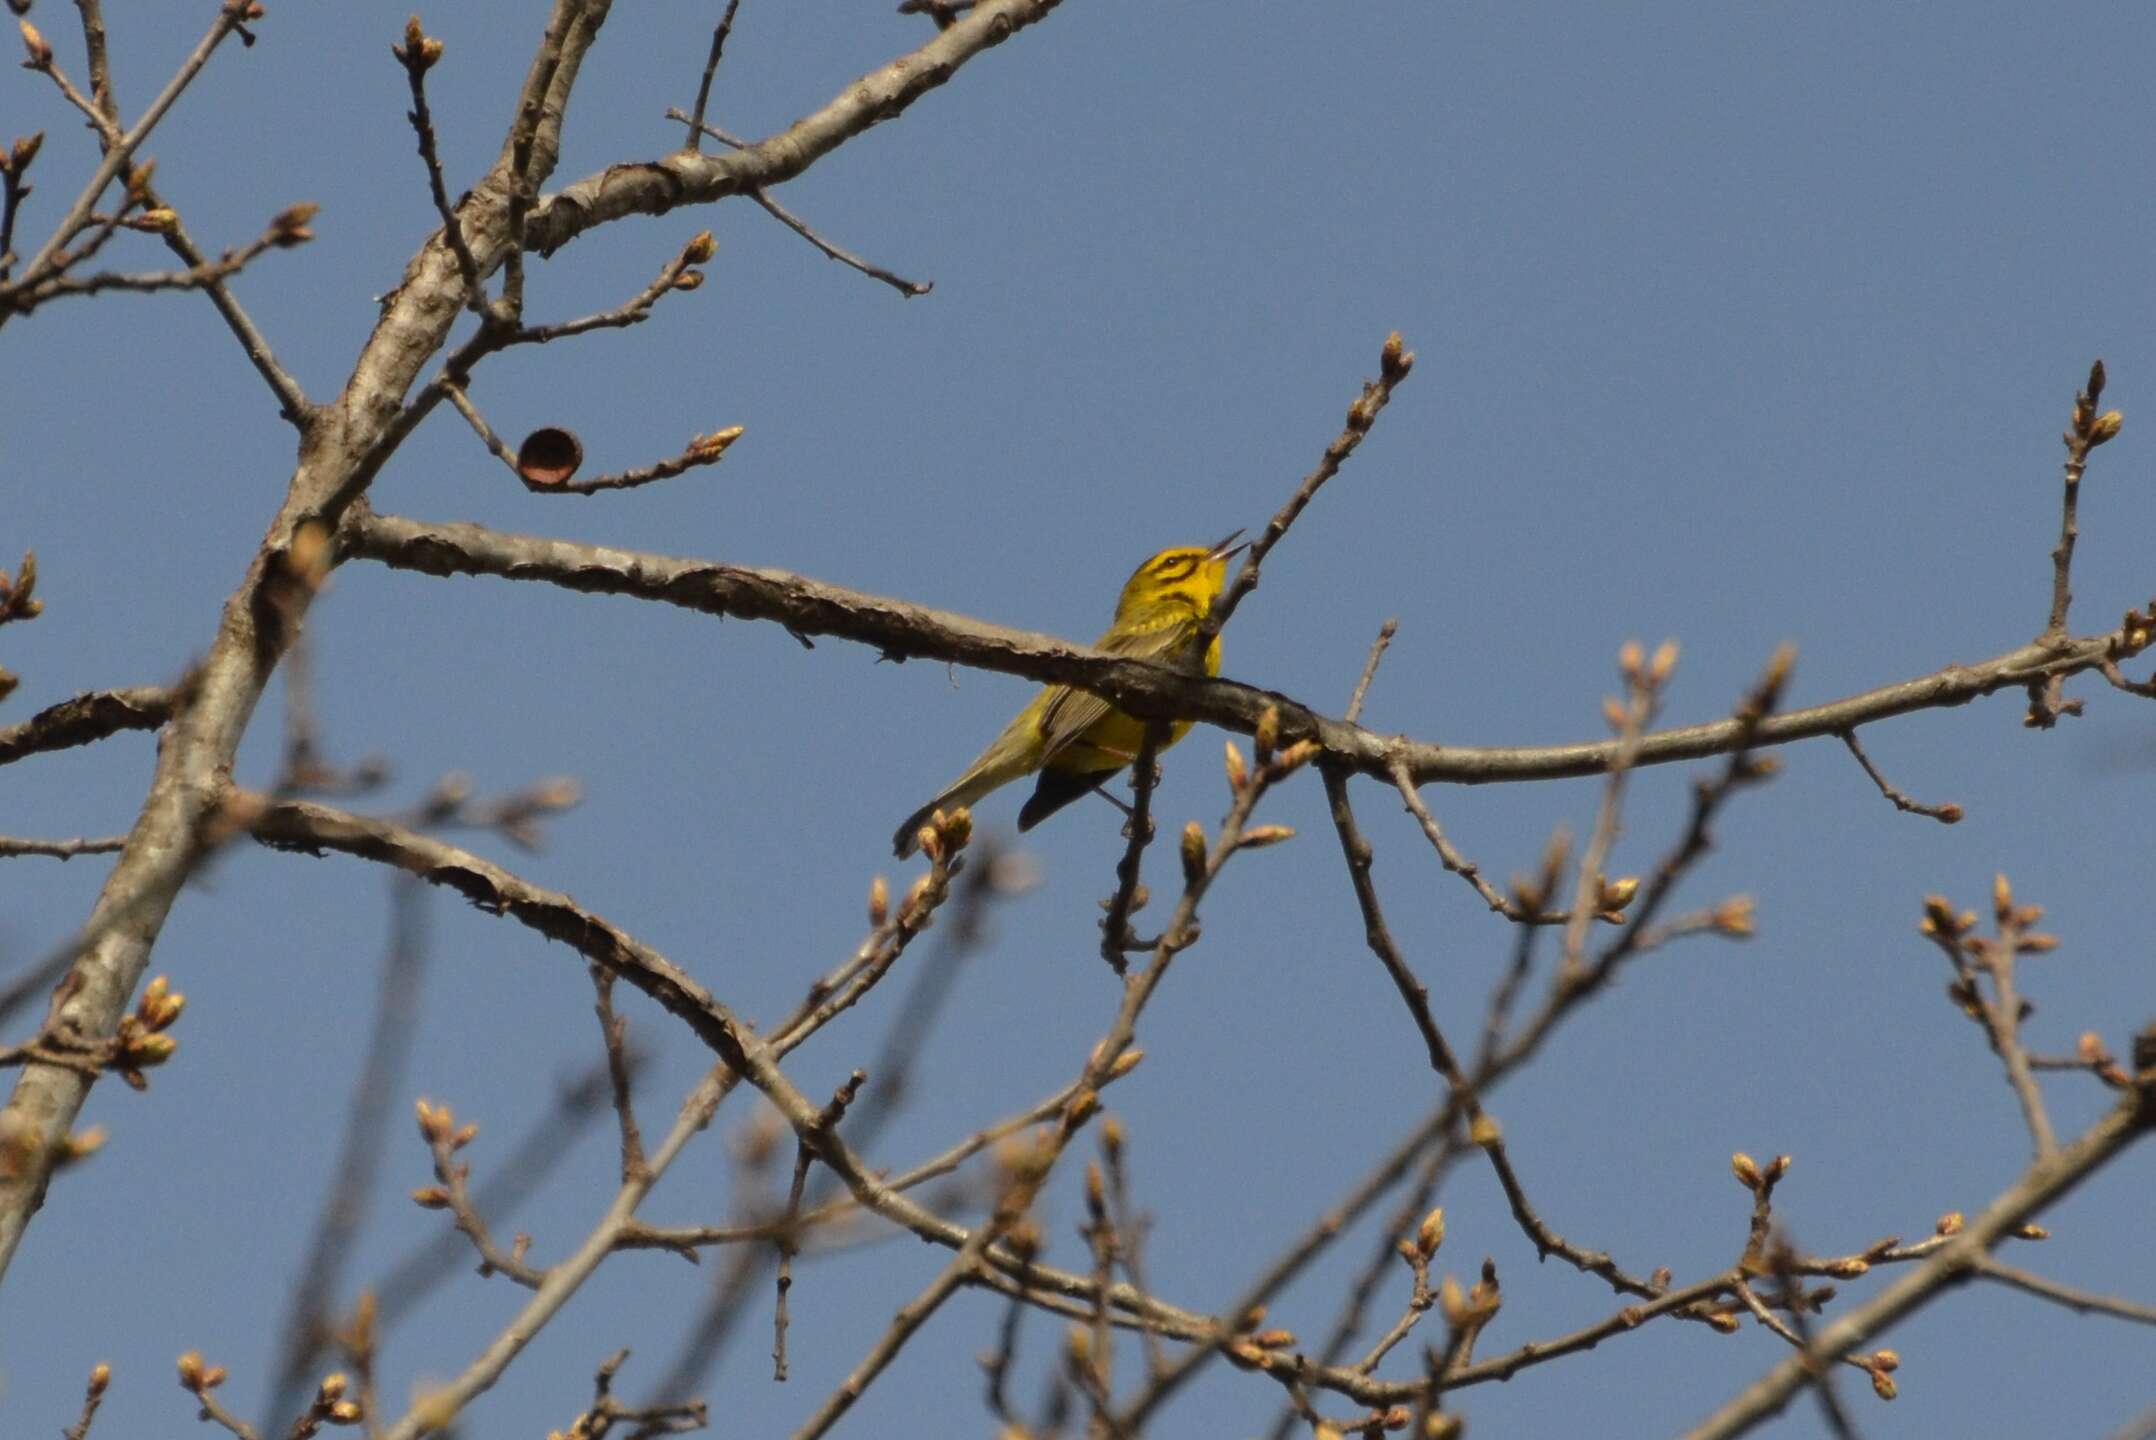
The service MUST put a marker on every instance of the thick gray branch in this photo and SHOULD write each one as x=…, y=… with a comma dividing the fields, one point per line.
x=689, y=177
x=904, y=630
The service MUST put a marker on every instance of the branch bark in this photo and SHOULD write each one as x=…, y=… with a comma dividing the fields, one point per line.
x=86, y=719
x=903, y=630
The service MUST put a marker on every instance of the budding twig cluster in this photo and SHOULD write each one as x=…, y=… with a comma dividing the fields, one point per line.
x=141, y=1041
x=2086, y=429
x=17, y=602
x=420, y=51
x=199, y=1378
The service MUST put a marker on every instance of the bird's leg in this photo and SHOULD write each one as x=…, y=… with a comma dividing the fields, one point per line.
x=1101, y=790
x=1130, y=813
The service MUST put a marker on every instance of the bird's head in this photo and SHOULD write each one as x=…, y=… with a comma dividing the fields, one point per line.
x=1185, y=578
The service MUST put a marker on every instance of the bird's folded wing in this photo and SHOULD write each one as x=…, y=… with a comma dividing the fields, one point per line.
x=1070, y=713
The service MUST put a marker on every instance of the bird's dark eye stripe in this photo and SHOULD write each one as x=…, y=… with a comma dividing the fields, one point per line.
x=1175, y=568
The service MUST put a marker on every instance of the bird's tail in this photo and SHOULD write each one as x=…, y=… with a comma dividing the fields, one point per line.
x=966, y=789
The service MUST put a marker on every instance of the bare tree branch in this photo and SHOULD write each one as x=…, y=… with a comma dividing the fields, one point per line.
x=49, y=260
x=87, y=719
x=2044, y=1183
x=344, y=446
x=901, y=629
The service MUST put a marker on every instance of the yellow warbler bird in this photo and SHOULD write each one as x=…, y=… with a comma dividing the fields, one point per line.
x=1076, y=740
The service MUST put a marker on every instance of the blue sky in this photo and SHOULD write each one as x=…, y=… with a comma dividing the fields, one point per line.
x=1734, y=324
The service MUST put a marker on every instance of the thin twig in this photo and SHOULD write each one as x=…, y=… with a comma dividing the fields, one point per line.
x=452, y=1192
x=909, y=1319
x=1999, y=1015
x=13, y=187
x=1116, y=938
x=1356, y=850
x=97, y=58
x=908, y=288
x=1449, y=856
x=204, y=275
x=548, y=1141
x=518, y=174
x=793, y=222
x=303, y=768
x=606, y=1411
x=2079, y=440
x=1999, y=956
x=1644, y=680
x=996, y=1365
x=614, y=1035
x=1394, y=364
x=1130, y=1230
x=2085, y=1302
x=309, y=1313
x=789, y=1244
x=1530, y=895
x=2084, y=432
x=695, y=119
x=1094, y=1367
x=1796, y=1332
x=419, y=52
x=702, y=450
x=1948, y=814
x=93, y=1394
x=1369, y=670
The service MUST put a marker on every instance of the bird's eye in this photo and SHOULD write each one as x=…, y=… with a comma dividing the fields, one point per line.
x=1175, y=568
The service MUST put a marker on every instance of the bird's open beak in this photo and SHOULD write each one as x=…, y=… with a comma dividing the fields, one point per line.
x=1227, y=548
